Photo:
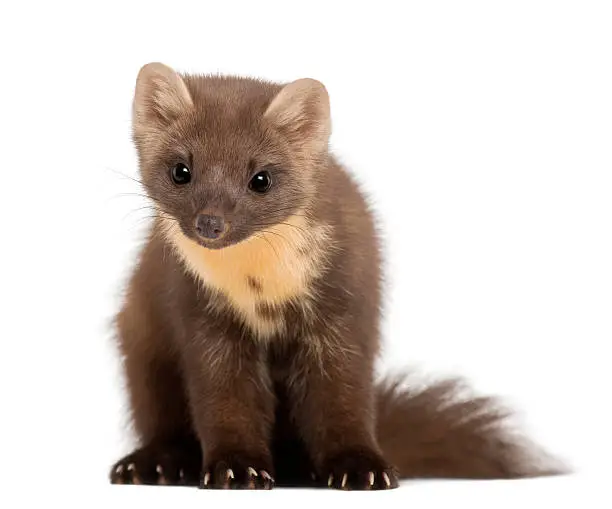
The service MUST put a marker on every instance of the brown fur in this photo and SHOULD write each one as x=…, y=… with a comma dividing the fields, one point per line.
x=252, y=356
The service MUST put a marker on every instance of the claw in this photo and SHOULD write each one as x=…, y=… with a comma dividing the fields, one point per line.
x=131, y=467
x=330, y=480
x=229, y=474
x=181, y=474
x=119, y=469
x=387, y=480
x=269, y=480
x=267, y=476
x=160, y=473
x=344, y=478
x=206, y=478
x=252, y=472
x=371, y=478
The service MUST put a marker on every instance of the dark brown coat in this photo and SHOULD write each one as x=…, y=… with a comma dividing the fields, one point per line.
x=249, y=352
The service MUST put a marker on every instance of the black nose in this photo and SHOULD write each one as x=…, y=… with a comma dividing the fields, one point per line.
x=210, y=227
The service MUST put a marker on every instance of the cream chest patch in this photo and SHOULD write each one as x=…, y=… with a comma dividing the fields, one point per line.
x=261, y=272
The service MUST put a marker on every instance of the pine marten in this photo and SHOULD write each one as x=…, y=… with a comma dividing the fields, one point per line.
x=250, y=326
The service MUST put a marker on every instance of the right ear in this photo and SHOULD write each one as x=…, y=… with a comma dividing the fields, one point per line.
x=161, y=96
x=301, y=112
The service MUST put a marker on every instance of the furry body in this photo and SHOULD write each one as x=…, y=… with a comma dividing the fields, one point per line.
x=250, y=358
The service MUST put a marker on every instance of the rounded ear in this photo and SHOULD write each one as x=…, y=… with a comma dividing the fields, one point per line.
x=301, y=112
x=160, y=97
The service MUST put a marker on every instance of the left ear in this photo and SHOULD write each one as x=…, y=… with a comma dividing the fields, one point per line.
x=160, y=97
x=301, y=112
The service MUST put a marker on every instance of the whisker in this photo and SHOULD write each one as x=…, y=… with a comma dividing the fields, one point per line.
x=270, y=243
x=271, y=216
x=124, y=195
x=283, y=223
x=153, y=218
x=124, y=175
x=277, y=234
x=282, y=209
x=136, y=210
x=158, y=212
x=265, y=225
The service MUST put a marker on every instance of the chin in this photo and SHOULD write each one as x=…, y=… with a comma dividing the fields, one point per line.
x=228, y=241
x=212, y=244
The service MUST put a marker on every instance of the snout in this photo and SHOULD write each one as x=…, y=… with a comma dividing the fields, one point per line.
x=211, y=226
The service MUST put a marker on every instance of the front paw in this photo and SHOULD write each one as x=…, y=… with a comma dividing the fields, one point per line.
x=171, y=463
x=359, y=470
x=237, y=471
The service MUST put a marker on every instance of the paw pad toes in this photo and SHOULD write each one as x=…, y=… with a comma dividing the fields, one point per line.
x=158, y=464
x=235, y=473
x=360, y=470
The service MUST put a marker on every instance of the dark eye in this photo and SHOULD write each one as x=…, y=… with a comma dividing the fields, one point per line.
x=181, y=174
x=261, y=182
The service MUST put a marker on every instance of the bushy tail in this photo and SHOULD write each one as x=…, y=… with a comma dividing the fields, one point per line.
x=437, y=431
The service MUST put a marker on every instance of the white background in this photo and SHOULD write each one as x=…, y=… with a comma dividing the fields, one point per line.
x=481, y=130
